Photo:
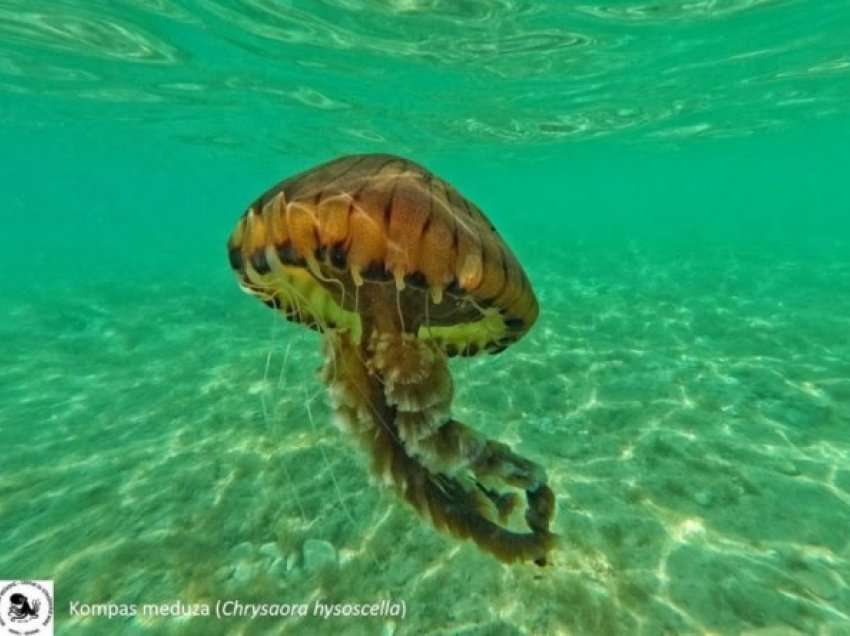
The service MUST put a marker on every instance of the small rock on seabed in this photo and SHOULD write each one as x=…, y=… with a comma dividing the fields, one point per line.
x=318, y=554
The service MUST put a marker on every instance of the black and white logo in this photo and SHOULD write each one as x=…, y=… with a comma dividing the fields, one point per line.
x=26, y=608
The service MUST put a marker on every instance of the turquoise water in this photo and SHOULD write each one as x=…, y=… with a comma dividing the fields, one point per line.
x=673, y=178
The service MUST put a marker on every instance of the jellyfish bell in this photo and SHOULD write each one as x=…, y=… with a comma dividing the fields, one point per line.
x=400, y=272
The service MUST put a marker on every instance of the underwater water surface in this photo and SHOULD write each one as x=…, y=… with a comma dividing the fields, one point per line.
x=671, y=175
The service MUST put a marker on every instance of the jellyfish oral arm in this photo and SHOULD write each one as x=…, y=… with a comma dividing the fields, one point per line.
x=394, y=393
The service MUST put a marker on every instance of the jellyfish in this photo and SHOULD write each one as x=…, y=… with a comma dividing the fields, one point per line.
x=399, y=272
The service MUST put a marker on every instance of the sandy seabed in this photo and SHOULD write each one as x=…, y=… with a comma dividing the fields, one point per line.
x=171, y=442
